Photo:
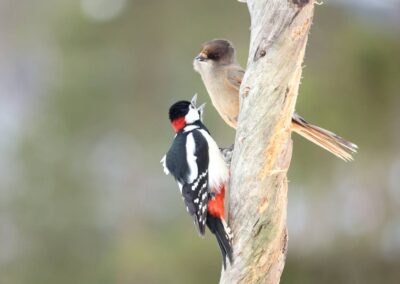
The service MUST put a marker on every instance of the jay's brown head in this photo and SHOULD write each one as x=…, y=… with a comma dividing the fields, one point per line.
x=218, y=51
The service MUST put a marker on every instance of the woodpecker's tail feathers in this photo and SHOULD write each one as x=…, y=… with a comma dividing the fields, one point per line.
x=201, y=229
x=223, y=235
x=331, y=142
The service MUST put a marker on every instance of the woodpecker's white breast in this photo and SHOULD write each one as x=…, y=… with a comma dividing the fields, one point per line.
x=218, y=172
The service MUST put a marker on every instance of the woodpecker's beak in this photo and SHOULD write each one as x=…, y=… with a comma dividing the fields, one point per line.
x=194, y=100
x=201, y=57
x=200, y=109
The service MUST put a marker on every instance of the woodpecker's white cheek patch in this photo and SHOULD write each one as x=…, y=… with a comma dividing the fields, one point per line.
x=191, y=158
x=192, y=116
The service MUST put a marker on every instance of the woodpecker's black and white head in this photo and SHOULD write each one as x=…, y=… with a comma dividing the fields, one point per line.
x=184, y=113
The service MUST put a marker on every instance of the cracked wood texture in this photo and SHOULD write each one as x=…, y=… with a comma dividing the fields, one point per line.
x=263, y=147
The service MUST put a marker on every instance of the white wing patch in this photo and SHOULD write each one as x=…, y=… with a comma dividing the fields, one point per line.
x=164, y=163
x=191, y=158
x=218, y=172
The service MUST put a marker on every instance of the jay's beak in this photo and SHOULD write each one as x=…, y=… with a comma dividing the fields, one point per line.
x=201, y=57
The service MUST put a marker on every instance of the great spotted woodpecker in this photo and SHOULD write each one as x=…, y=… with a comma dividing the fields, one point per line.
x=195, y=161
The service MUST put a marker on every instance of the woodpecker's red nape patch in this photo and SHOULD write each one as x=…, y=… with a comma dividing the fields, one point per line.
x=178, y=123
x=216, y=205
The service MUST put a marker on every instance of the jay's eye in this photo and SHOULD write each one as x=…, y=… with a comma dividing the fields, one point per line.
x=213, y=56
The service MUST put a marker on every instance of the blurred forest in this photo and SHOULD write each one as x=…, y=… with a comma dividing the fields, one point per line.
x=84, y=91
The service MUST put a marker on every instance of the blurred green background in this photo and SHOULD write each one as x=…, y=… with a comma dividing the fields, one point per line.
x=84, y=91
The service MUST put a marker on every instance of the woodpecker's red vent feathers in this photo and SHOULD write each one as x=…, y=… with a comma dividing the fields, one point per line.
x=216, y=205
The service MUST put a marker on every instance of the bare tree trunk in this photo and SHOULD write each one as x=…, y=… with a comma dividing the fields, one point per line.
x=263, y=148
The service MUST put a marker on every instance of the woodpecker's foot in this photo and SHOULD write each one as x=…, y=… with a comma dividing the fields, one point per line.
x=227, y=153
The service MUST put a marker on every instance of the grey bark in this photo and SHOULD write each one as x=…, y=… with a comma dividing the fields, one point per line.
x=263, y=147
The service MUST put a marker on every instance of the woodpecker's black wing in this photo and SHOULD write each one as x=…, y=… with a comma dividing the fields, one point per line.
x=175, y=160
x=188, y=160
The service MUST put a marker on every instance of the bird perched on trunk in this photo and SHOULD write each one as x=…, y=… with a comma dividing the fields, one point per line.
x=198, y=167
x=222, y=76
